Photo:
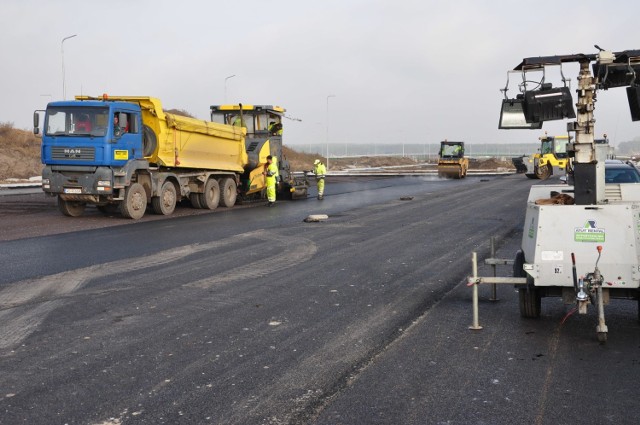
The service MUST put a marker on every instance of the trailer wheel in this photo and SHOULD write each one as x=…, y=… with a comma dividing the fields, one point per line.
x=530, y=302
x=195, y=200
x=134, y=203
x=211, y=196
x=71, y=208
x=229, y=192
x=166, y=202
x=149, y=141
x=518, y=264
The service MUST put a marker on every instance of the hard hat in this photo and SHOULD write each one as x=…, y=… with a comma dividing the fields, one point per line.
x=316, y=162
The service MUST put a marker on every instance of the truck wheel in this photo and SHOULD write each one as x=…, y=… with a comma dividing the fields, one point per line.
x=211, y=196
x=71, y=208
x=149, y=141
x=229, y=192
x=166, y=202
x=135, y=202
x=543, y=172
x=530, y=302
x=195, y=200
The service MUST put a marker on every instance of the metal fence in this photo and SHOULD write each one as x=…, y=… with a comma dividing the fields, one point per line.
x=425, y=151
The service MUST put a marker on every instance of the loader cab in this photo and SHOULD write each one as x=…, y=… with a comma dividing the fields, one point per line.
x=556, y=146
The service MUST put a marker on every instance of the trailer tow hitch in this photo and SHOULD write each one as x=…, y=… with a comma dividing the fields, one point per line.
x=589, y=289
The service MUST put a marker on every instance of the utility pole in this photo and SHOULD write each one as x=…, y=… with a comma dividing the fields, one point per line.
x=328, y=97
x=225, y=86
x=64, y=91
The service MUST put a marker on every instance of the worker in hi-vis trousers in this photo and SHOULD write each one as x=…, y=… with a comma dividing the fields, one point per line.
x=271, y=173
x=319, y=170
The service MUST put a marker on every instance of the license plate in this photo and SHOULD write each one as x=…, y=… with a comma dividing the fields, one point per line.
x=72, y=190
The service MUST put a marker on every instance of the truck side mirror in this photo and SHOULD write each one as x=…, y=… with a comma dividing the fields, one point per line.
x=36, y=122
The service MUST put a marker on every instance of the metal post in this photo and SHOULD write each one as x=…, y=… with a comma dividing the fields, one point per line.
x=474, y=262
x=225, y=86
x=64, y=89
x=328, y=97
x=494, y=290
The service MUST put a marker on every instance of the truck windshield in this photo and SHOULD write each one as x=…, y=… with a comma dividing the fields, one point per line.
x=76, y=121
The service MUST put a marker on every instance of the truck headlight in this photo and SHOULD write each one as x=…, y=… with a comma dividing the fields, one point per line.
x=45, y=181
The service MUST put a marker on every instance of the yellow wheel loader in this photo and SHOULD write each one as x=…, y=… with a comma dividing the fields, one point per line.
x=452, y=164
x=541, y=165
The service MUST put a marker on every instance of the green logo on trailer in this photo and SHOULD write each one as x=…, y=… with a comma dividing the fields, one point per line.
x=589, y=233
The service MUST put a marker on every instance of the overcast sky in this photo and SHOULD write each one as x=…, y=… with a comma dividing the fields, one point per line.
x=414, y=71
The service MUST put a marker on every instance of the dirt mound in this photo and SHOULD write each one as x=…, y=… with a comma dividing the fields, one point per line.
x=304, y=161
x=300, y=161
x=19, y=153
x=489, y=164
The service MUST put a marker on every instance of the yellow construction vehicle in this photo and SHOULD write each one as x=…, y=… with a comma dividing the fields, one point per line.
x=263, y=130
x=452, y=164
x=552, y=155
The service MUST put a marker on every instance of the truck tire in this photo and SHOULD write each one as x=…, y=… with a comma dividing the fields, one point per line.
x=530, y=302
x=229, y=192
x=71, y=208
x=195, y=200
x=149, y=141
x=134, y=203
x=166, y=202
x=210, y=198
x=531, y=176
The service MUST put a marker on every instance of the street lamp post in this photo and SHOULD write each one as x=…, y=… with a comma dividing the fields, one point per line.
x=64, y=91
x=328, y=97
x=225, y=86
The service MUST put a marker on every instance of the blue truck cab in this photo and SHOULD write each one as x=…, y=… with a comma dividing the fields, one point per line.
x=90, y=150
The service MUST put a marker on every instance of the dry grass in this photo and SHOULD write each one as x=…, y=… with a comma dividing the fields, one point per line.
x=19, y=153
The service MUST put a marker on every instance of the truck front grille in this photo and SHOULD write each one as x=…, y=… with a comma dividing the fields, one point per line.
x=85, y=154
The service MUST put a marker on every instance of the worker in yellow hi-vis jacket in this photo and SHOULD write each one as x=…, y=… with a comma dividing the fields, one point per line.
x=271, y=173
x=320, y=171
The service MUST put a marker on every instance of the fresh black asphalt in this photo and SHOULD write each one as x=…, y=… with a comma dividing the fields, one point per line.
x=254, y=317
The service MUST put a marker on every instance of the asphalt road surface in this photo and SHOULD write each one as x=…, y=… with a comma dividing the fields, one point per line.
x=250, y=316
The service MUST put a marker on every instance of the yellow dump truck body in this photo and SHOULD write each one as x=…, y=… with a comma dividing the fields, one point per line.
x=184, y=142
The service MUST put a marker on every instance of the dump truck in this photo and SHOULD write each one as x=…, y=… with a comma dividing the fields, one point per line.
x=125, y=152
x=551, y=158
x=452, y=163
x=263, y=130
